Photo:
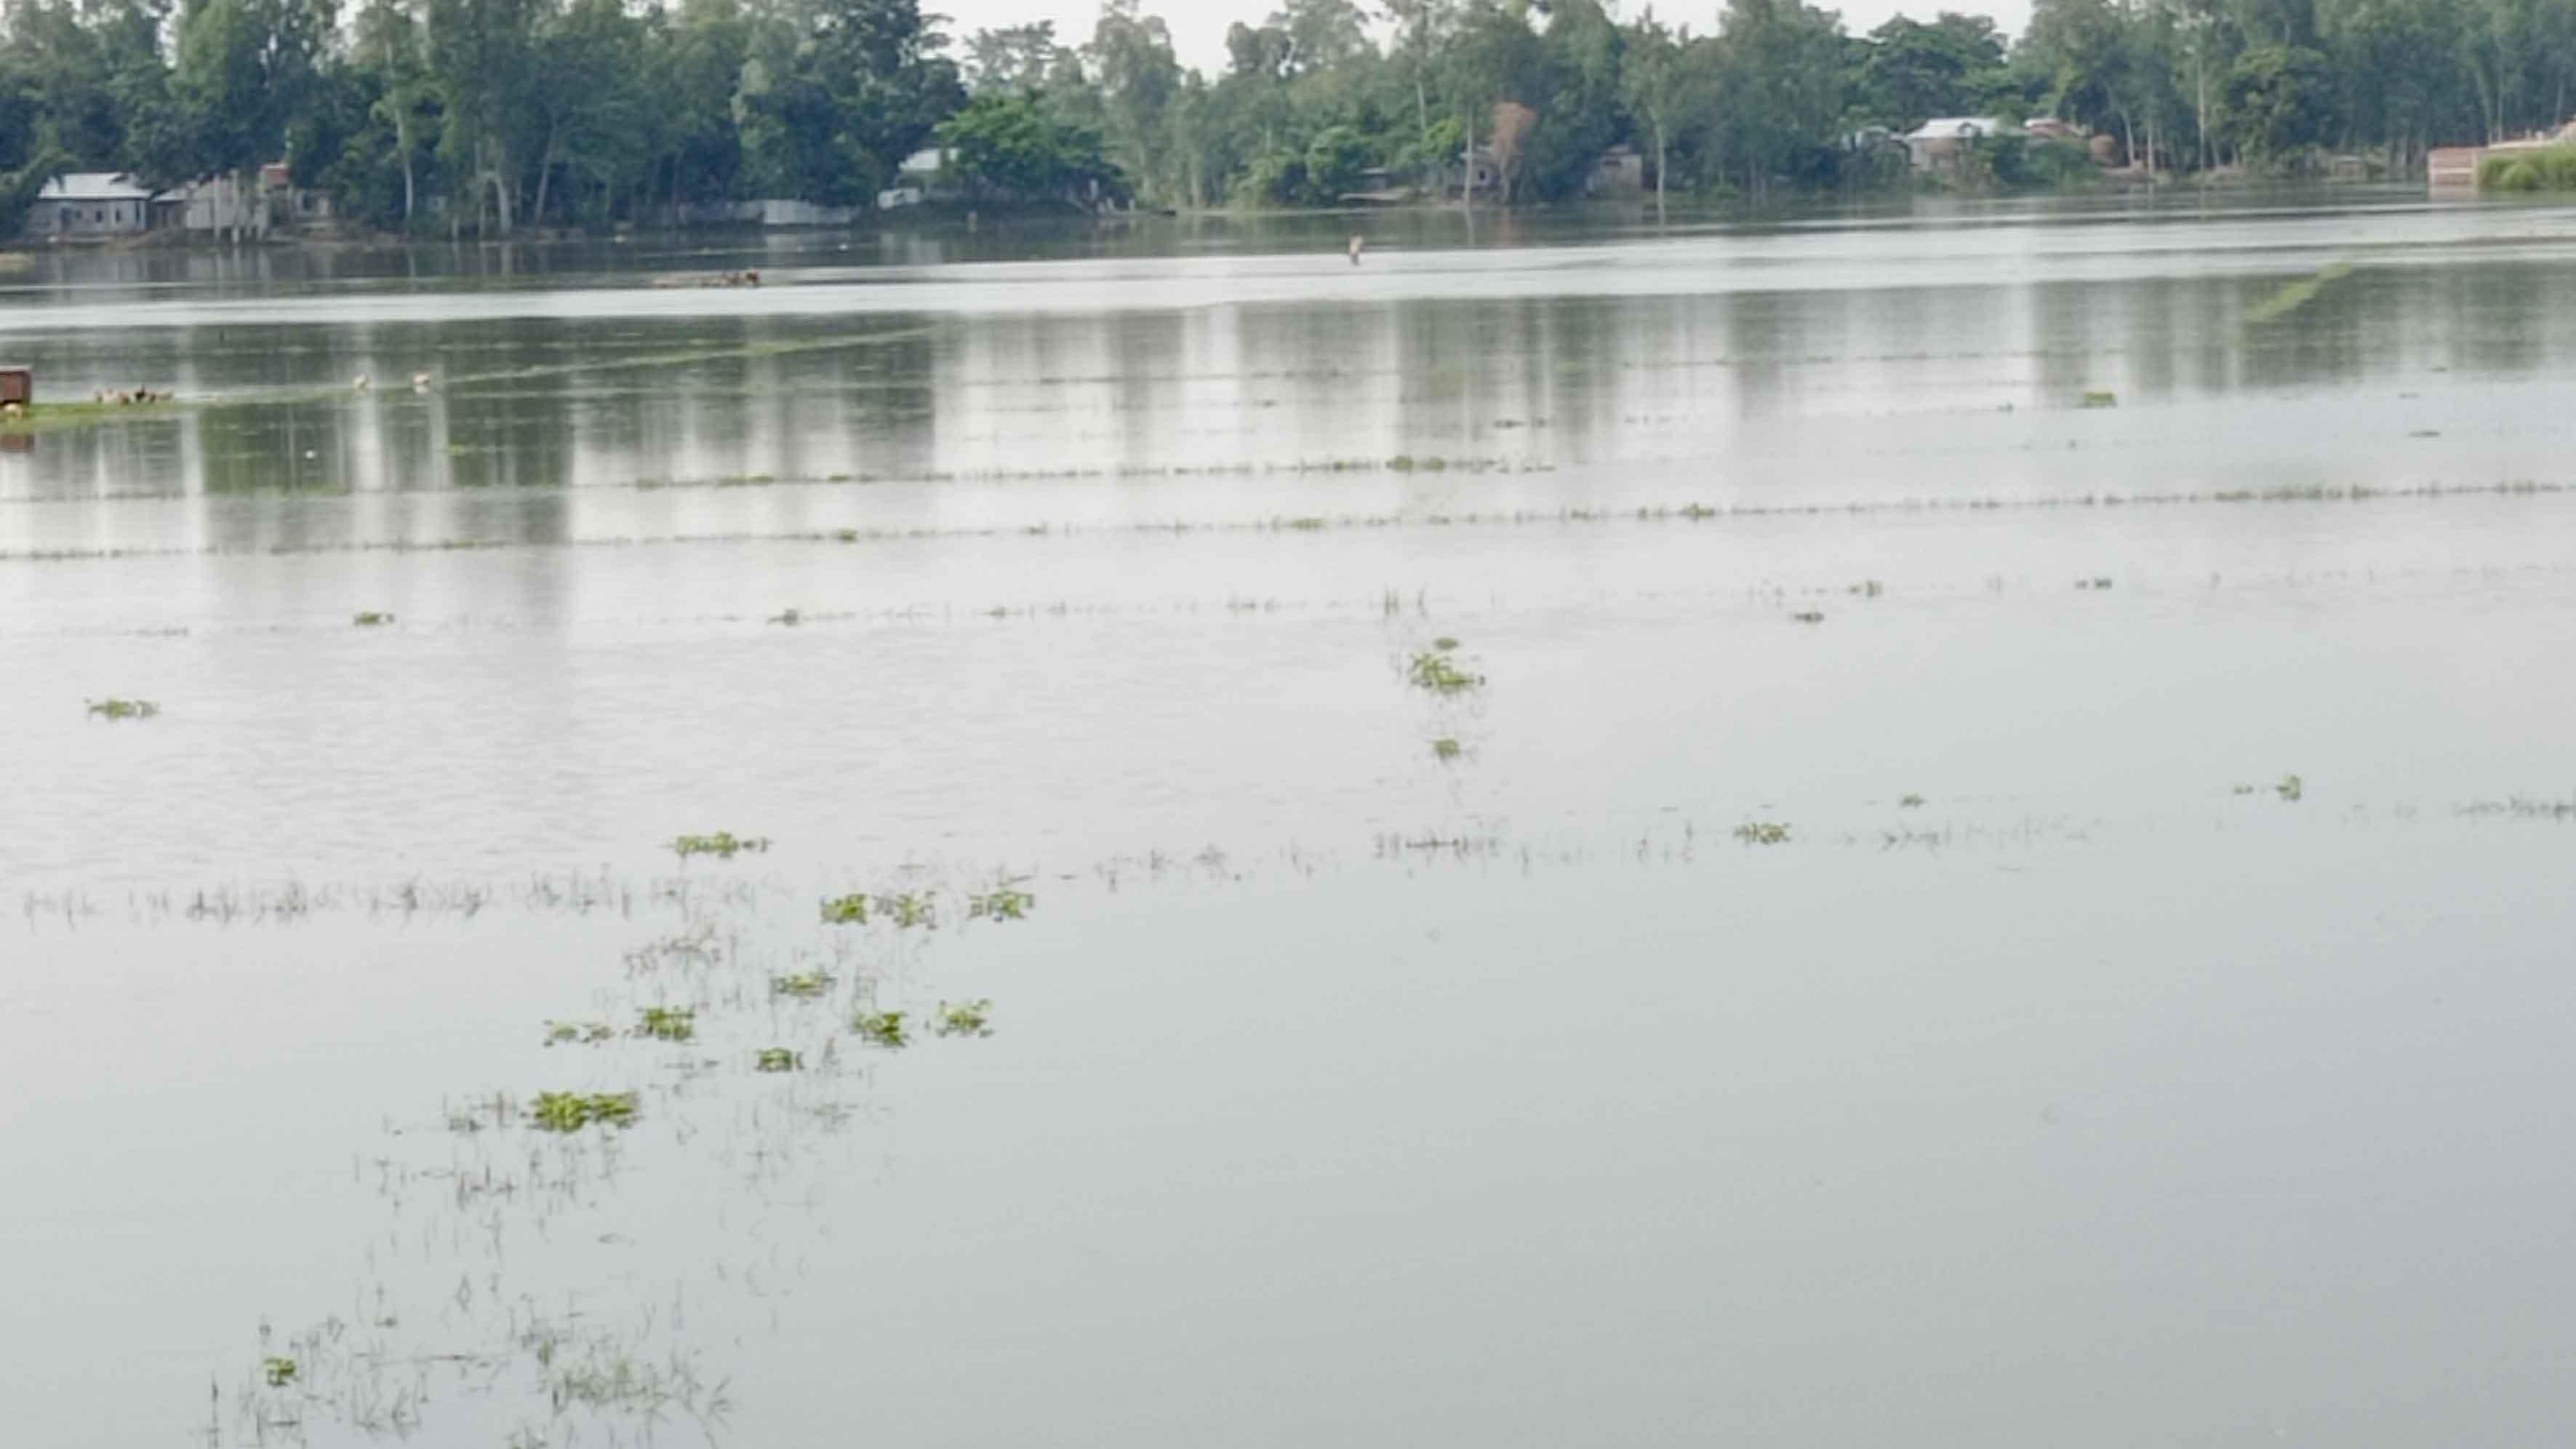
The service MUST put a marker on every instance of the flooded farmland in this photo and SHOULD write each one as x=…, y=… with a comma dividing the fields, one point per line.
x=1942, y=827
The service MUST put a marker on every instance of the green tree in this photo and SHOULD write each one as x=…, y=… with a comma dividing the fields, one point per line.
x=1007, y=145
x=2279, y=99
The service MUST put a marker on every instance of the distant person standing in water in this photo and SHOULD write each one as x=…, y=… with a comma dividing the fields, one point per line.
x=1358, y=244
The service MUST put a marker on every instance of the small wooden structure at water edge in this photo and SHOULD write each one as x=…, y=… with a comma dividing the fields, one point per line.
x=17, y=387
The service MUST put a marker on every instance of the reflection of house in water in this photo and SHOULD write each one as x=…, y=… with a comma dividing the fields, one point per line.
x=88, y=204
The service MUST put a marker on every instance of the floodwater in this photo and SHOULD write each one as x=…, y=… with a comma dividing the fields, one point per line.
x=2148, y=1023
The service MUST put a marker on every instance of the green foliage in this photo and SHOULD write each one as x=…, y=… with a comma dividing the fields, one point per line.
x=371, y=619
x=850, y=910
x=2291, y=789
x=1009, y=145
x=724, y=845
x=778, y=1059
x=1762, y=832
x=1445, y=749
x=2539, y=168
x=881, y=1028
x=663, y=1023
x=1434, y=670
x=573, y=1111
x=965, y=1018
x=568, y=1033
x=803, y=985
x=124, y=708
x=277, y=1372
x=2278, y=99
x=1002, y=903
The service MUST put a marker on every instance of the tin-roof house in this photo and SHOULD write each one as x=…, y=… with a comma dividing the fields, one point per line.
x=1935, y=145
x=89, y=204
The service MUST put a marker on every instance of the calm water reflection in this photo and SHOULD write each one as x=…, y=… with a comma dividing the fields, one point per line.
x=1377, y=1067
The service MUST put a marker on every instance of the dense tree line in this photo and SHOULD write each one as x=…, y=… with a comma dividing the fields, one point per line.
x=485, y=116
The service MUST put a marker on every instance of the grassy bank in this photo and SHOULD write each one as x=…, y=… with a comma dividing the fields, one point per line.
x=2531, y=168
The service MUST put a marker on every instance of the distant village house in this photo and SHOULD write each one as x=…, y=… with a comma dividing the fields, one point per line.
x=89, y=204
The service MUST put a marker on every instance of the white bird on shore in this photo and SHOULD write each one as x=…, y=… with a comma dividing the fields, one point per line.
x=420, y=382
x=361, y=383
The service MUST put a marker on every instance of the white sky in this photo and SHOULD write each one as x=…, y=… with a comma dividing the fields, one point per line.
x=1198, y=26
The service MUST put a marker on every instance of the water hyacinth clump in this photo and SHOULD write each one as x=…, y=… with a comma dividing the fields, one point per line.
x=802, y=985
x=372, y=619
x=778, y=1059
x=123, y=708
x=965, y=1018
x=664, y=1023
x=723, y=845
x=573, y=1111
x=1434, y=670
x=1762, y=832
x=1001, y=904
x=569, y=1033
x=881, y=1028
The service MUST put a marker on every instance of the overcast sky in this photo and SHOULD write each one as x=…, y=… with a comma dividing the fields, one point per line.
x=1198, y=26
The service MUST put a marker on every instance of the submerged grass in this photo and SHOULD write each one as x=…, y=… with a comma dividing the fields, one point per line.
x=2296, y=295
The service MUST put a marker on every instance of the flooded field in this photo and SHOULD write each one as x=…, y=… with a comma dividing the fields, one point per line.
x=1941, y=828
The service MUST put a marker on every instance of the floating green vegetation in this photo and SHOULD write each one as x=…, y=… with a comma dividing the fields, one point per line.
x=1697, y=512
x=2291, y=788
x=846, y=535
x=2523, y=807
x=846, y=910
x=1002, y=903
x=2093, y=583
x=123, y=708
x=910, y=909
x=1808, y=616
x=371, y=619
x=55, y=417
x=803, y=986
x=1910, y=802
x=572, y=1111
x=965, y=1018
x=1762, y=832
x=1445, y=748
x=279, y=1372
x=1309, y=524
x=2099, y=399
x=583, y=1033
x=884, y=1028
x=2296, y=295
x=667, y=1023
x=723, y=845
x=1434, y=670
x=1868, y=588
x=778, y=1059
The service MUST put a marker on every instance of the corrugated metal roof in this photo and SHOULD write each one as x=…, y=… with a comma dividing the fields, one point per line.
x=93, y=186
x=1951, y=128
